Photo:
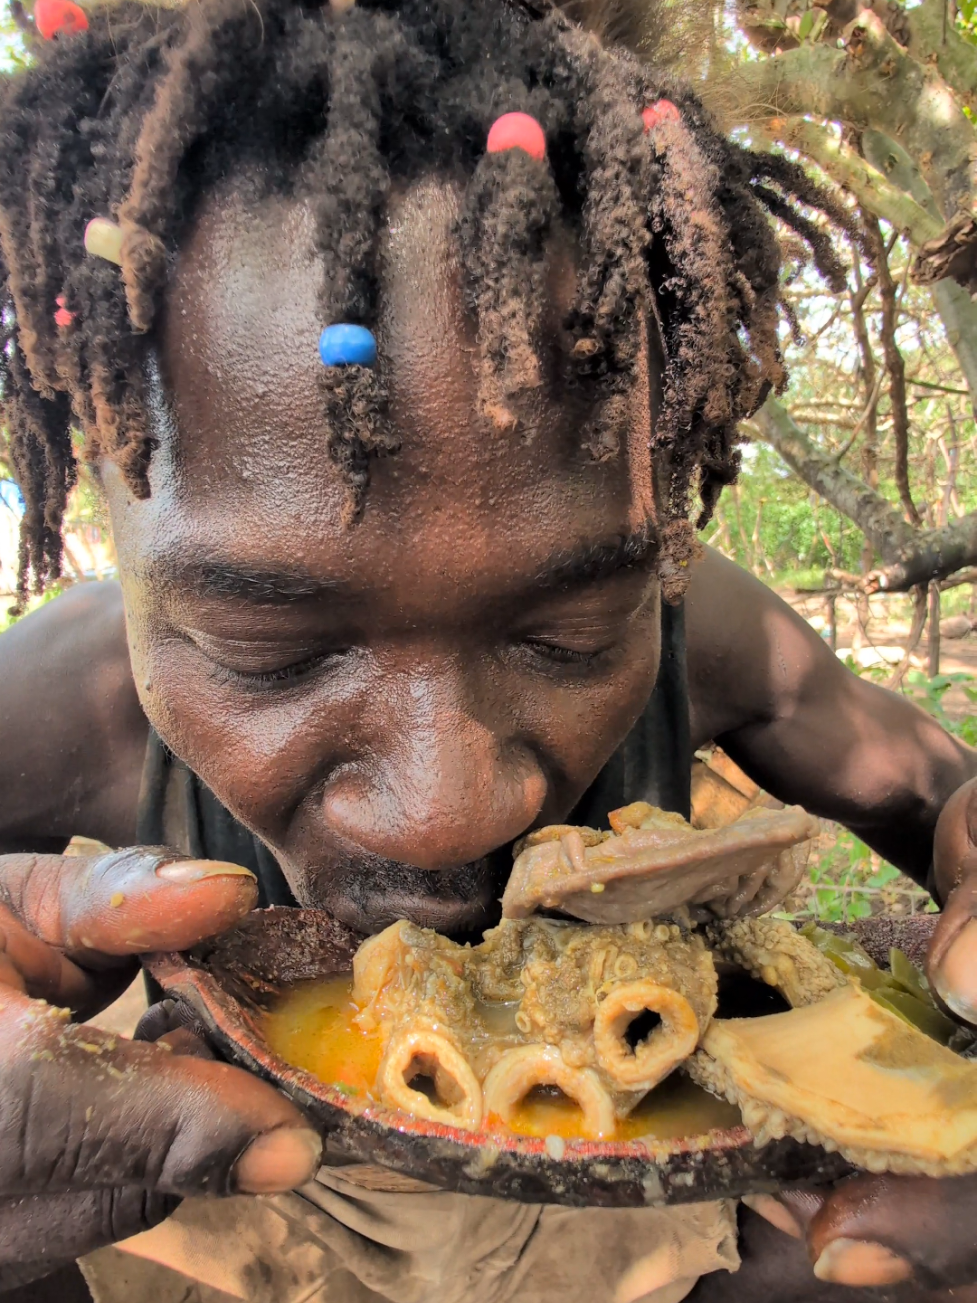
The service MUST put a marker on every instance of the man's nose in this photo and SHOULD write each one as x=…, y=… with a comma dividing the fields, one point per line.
x=447, y=796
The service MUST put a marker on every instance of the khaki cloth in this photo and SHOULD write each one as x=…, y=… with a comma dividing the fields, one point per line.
x=337, y=1241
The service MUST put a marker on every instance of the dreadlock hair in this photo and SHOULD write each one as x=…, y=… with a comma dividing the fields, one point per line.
x=138, y=117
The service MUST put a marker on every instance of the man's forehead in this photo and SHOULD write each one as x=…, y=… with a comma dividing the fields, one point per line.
x=241, y=419
x=238, y=347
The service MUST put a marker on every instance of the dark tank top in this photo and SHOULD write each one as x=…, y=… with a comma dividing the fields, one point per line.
x=653, y=763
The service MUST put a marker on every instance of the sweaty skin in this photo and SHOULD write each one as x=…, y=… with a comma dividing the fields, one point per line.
x=389, y=706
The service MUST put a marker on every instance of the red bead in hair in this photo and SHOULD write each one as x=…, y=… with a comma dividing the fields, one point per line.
x=59, y=18
x=62, y=317
x=661, y=111
x=517, y=131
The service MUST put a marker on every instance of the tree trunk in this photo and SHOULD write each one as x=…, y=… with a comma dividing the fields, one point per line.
x=912, y=642
x=934, y=631
x=958, y=312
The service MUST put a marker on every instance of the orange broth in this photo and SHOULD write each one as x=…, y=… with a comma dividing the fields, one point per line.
x=312, y=1027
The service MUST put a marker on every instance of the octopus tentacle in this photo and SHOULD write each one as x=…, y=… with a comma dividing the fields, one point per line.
x=521, y=1070
x=664, y=1049
x=771, y=951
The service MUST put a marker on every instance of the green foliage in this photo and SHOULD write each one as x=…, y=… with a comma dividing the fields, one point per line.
x=835, y=877
x=967, y=20
x=771, y=523
x=847, y=881
x=812, y=25
x=930, y=693
x=6, y=619
x=12, y=52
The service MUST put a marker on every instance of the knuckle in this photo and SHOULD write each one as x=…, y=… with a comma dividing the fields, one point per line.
x=75, y=1105
x=22, y=877
x=38, y=1233
x=130, y=1210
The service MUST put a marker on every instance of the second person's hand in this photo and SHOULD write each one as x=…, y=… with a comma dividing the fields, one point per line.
x=101, y=1136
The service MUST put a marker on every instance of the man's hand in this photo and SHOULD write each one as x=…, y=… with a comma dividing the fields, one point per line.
x=99, y=1136
x=884, y=1230
x=881, y=1230
x=952, y=959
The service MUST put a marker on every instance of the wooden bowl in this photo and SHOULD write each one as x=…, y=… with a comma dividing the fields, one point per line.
x=230, y=981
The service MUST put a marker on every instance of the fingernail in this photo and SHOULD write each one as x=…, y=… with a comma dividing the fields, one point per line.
x=956, y=978
x=861, y=1263
x=773, y=1211
x=278, y=1161
x=197, y=870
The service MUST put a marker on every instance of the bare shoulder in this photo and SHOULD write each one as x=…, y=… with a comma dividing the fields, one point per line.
x=750, y=655
x=72, y=733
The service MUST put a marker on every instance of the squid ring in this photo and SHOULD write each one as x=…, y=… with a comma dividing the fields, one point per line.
x=425, y=1052
x=518, y=1071
x=655, y=1057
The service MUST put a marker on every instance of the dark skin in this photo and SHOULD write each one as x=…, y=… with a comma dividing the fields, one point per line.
x=388, y=707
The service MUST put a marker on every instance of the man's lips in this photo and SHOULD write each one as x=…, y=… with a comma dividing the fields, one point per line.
x=444, y=915
x=368, y=893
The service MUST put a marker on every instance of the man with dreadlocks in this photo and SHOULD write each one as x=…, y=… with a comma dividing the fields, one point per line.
x=402, y=336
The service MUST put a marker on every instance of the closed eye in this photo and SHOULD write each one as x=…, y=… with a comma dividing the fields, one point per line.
x=281, y=676
x=562, y=655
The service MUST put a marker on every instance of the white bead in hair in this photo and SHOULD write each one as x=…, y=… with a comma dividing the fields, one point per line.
x=103, y=239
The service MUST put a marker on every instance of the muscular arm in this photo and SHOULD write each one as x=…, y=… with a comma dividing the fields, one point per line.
x=72, y=734
x=771, y=693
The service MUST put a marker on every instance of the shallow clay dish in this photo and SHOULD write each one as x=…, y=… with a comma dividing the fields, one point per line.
x=229, y=982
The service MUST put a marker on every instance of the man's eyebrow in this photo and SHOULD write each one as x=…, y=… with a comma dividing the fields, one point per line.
x=212, y=577
x=588, y=563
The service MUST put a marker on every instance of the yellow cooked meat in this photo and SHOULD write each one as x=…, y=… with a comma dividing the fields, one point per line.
x=851, y=1076
x=610, y=1011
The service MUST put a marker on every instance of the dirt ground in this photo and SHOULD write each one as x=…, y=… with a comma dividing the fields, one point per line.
x=886, y=631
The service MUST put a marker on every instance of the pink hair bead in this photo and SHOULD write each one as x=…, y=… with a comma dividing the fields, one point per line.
x=62, y=317
x=517, y=131
x=661, y=111
x=59, y=18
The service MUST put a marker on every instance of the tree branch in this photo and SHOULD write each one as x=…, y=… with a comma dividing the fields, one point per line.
x=872, y=82
x=895, y=366
x=932, y=40
x=943, y=389
x=912, y=642
x=869, y=186
x=958, y=313
x=909, y=557
x=878, y=519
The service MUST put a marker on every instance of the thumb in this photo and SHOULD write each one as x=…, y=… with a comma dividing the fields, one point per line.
x=955, y=840
x=952, y=959
x=125, y=902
